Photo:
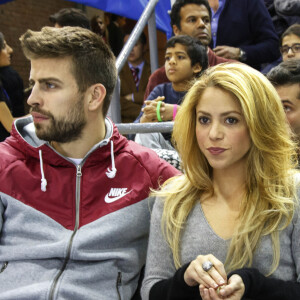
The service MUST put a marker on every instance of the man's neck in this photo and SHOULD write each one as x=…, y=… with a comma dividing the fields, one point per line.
x=91, y=135
x=136, y=63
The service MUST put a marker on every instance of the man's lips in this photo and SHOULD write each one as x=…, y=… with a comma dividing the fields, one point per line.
x=202, y=35
x=216, y=150
x=38, y=117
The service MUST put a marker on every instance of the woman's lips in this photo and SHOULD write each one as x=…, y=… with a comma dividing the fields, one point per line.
x=216, y=150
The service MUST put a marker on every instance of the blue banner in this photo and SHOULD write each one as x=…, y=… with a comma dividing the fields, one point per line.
x=4, y=1
x=133, y=9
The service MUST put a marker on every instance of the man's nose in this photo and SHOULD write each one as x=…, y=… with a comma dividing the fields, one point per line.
x=34, y=98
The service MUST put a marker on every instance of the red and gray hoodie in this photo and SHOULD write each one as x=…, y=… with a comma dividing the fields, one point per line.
x=72, y=231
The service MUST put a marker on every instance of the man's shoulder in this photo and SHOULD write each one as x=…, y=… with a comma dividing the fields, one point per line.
x=9, y=154
x=150, y=161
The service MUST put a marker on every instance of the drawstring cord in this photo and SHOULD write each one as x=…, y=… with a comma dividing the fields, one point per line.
x=43, y=180
x=111, y=173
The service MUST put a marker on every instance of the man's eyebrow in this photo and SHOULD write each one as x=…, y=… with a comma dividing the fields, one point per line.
x=42, y=80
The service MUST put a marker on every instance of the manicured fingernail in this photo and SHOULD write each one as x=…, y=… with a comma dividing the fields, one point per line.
x=221, y=281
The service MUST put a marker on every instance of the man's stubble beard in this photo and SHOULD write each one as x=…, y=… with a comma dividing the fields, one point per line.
x=63, y=130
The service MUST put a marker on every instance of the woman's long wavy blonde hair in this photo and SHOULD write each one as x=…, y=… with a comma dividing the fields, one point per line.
x=269, y=202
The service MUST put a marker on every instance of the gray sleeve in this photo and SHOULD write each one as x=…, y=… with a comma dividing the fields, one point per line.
x=159, y=263
x=296, y=237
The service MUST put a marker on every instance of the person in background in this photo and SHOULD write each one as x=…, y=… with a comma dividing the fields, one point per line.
x=70, y=17
x=74, y=205
x=286, y=80
x=243, y=30
x=134, y=77
x=188, y=17
x=185, y=60
x=12, y=83
x=290, y=43
x=98, y=26
x=116, y=34
x=289, y=47
x=284, y=13
x=6, y=118
x=237, y=203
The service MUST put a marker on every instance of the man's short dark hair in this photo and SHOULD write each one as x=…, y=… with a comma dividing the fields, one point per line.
x=92, y=60
x=286, y=73
x=194, y=48
x=175, y=11
x=70, y=17
x=293, y=29
x=142, y=39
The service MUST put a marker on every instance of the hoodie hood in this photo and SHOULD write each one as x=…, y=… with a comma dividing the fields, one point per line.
x=24, y=139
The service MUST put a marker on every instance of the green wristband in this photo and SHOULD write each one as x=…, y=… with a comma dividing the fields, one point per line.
x=158, y=111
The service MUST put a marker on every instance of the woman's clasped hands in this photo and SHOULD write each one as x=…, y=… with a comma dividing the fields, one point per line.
x=209, y=273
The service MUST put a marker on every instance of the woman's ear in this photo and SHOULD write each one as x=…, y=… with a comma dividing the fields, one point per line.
x=96, y=96
x=196, y=68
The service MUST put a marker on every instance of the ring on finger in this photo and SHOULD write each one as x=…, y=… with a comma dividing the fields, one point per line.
x=207, y=265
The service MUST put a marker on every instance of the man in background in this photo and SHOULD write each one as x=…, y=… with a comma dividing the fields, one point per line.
x=286, y=79
x=134, y=77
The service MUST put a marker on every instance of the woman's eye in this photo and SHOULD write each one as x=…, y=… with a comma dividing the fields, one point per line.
x=286, y=108
x=231, y=121
x=203, y=120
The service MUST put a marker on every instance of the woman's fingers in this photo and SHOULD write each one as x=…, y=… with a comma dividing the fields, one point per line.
x=206, y=270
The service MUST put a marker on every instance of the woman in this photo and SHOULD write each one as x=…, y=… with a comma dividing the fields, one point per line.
x=235, y=206
x=6, y=118
x=98, y=26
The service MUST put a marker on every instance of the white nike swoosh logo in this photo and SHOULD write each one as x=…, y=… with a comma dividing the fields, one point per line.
x=107, y=199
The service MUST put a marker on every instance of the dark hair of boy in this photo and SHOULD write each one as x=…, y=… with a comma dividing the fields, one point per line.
x=194, y=48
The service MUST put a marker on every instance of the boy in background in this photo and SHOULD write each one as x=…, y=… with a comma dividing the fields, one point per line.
x=185, y=59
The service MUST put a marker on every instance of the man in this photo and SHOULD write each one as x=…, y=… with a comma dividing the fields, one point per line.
x=290, y=43
x=134, y=77
x=286, y=79
x=190, y=17
x=289, y=47
x=115, y=33
x=74, y=213
x=243, y=30
x=70, y=17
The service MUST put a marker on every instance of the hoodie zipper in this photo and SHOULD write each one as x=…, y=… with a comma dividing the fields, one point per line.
x=78, y=181
x=4, y=266
x=118, y=284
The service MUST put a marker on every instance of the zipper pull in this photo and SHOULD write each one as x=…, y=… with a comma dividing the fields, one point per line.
x=78, y=171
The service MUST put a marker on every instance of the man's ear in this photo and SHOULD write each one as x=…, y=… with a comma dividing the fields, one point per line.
x=176, y=29
x=197, y=68
x=96, y=96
